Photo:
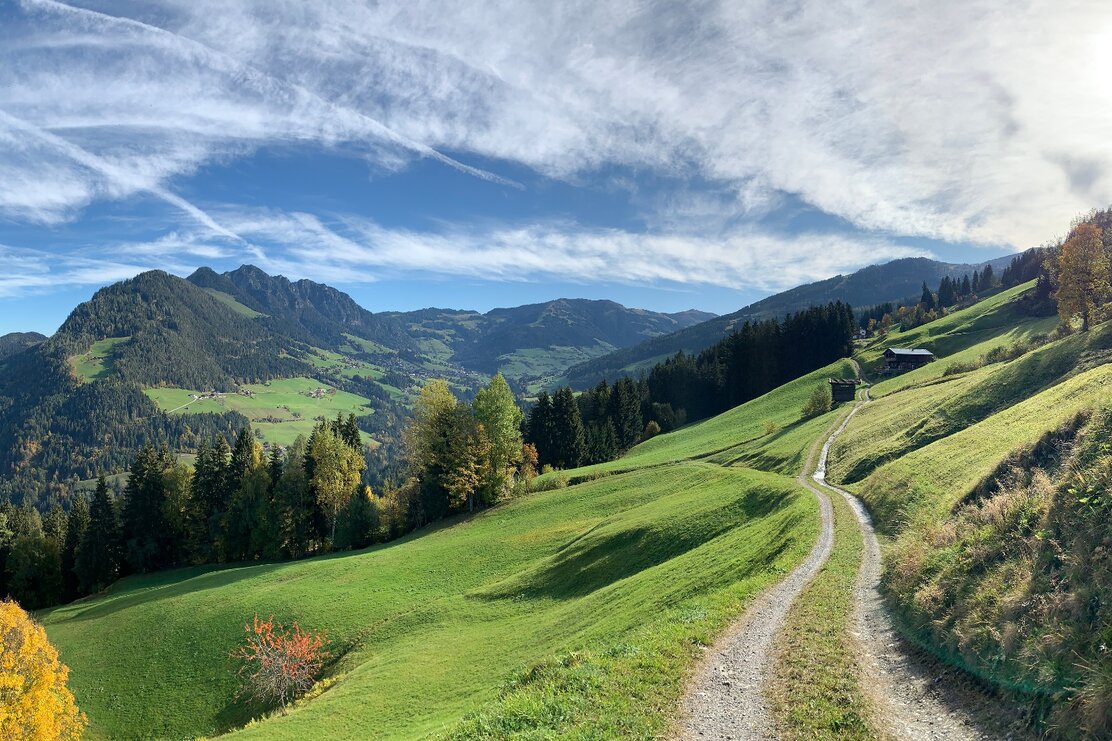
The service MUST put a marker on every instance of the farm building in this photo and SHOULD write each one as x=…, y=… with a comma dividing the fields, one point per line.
x=843, y=389
x=900, y=359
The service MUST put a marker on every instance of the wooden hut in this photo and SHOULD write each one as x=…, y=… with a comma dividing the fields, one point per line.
x=843, y=389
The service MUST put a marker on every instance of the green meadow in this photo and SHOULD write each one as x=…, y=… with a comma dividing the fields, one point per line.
x=279, y=410
x=96, y=363
x=576, y=611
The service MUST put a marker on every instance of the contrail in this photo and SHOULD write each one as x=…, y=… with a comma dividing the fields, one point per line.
x=112, y=172
x=267, y=83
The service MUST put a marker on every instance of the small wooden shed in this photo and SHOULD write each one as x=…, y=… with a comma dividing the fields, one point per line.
x=843, y=389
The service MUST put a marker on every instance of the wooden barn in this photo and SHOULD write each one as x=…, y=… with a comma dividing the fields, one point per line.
x=843, y=389
x=898, y=359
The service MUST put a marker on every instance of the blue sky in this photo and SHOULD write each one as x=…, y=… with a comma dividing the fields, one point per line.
x=429, y=154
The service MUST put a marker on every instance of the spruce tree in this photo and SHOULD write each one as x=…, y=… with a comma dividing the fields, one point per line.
x=540, y=427
x=625, y=413
x=569, y=441
x=98, y=556
x=144, y=526
x=75, y=532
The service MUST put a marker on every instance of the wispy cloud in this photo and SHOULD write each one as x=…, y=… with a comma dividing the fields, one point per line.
x=35, y=271
x=351, y=250
x=971, y=121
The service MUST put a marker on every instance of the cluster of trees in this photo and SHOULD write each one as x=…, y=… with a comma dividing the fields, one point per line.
x=933, y=304
x=598, y=426
x=607, y=420
x=238, y=503
x=234, y=504
x=462, y=456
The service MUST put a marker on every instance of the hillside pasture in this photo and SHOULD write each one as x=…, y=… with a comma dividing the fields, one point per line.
x=279, y=410
x=96, y=362
x=622, y=578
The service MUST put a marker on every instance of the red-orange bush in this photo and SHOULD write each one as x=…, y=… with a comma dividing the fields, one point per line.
x=278, y=664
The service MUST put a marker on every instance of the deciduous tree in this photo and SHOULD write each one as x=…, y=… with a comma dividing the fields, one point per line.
x=1083, y=275
x=34, y=700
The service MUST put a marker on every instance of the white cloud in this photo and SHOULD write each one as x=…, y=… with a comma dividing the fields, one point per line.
x=34, y=271
x=979, y=121
x=358, y=250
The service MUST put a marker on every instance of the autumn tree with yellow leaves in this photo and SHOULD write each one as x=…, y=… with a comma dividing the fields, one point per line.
x=34, y=701
x=1083, y=280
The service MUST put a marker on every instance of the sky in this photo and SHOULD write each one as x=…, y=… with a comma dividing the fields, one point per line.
x=472, y=155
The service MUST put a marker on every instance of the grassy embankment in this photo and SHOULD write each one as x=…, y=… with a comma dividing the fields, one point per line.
x=573, y=611
x=989, y=484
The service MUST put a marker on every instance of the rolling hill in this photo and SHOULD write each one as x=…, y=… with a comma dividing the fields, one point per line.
x=876, y=284
x=578, y=610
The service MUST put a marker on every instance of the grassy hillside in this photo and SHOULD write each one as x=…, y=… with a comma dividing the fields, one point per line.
x=279, y=410
x=575, y=611
x=986, y=471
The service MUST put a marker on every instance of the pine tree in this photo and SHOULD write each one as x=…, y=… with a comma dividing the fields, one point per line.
x=625, y=413
x=99, y=555
x=540, y=428
x=569, y=441
x=927, y=299
x=144, y=526
x=986, y=278
x=966, y=287
x=76, y=527
x=294, y=502
x=975, y=284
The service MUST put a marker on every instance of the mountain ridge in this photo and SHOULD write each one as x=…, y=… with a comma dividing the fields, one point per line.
x=874, y=284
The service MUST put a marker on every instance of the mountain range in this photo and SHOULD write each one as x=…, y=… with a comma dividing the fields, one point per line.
x=162, y=359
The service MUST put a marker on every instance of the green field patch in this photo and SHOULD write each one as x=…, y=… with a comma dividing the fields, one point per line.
x=343, y=365
x=436, y=624
x=279, y=410
x=96, y=362
x=358, y=344
x=230, y=301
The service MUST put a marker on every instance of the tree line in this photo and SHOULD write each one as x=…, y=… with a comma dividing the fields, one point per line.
x=605, y=421
x=238, y=503
x=952, y=292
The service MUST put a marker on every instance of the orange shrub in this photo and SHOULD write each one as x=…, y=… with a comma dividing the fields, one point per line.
x=34, y=701
x=279, y=664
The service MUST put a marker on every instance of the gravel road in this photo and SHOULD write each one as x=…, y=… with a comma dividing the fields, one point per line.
x=914, y=698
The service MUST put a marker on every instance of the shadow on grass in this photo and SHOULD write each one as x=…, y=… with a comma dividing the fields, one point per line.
x=615, y=550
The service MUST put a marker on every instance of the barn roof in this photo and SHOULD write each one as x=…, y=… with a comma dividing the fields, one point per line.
x=844, y=381
x=916, y=353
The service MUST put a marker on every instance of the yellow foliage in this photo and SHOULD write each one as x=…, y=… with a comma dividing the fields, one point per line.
x=34, y=702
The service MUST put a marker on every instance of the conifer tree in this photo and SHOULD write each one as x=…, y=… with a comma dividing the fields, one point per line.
x=142, y=519
x=541, y=427
x=76, y=526
x=99, y=555
x=625, y=413
x=568, y=439
x=966, y=287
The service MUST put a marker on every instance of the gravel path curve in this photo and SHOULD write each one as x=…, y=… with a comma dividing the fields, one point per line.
x=726, y=699
x=914, y=699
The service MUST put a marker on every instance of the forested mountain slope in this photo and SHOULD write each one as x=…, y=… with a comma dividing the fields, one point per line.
x=14, y=342
x=876, y=284
x=83, y=401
